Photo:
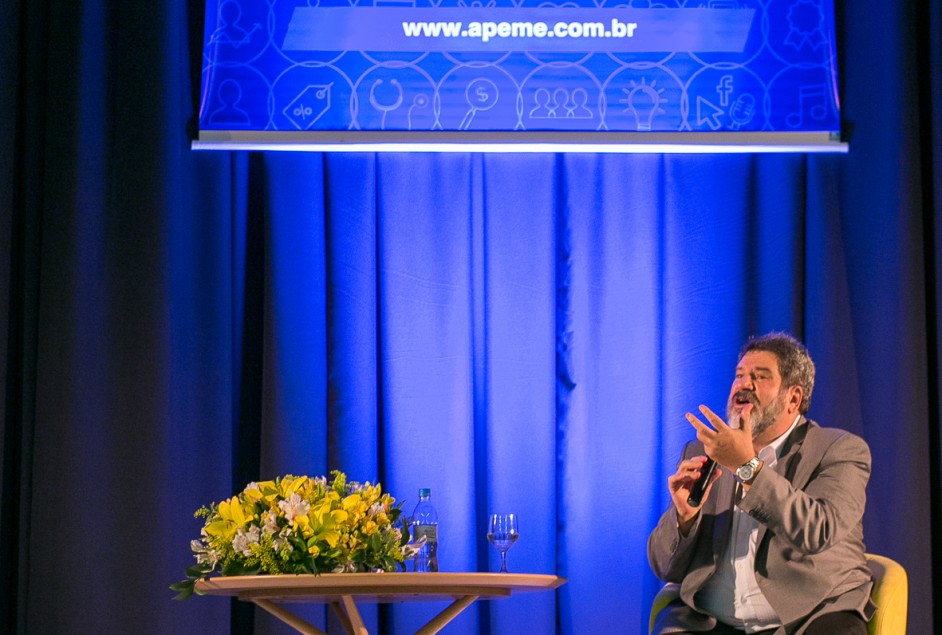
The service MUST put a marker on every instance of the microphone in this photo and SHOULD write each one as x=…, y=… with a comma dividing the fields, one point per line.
x=699, y=487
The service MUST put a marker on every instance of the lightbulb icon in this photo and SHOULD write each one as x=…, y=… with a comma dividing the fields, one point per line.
x=644, y=101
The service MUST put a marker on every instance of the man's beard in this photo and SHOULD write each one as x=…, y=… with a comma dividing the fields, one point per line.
x=761, y=418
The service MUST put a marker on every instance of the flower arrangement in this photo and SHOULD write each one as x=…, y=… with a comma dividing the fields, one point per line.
x=297, y=524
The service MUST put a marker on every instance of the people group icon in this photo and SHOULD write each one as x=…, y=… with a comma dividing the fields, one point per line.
x=560, y=103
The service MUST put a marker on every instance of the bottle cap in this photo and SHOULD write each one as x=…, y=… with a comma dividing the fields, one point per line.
x=425, y=492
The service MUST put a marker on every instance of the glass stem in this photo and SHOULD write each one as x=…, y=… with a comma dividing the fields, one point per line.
x=503, y=562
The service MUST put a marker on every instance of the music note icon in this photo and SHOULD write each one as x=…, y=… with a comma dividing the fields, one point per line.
x=814, y=99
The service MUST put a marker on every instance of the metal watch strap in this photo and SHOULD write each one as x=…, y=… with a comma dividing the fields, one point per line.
x=752, y=464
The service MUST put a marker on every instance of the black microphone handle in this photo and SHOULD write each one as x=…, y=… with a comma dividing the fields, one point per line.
x=699, y=487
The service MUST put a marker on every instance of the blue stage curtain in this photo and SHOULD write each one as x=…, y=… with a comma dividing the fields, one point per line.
x=517, y=332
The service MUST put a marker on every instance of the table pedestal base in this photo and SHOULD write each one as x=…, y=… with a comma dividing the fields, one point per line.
x=349, y=616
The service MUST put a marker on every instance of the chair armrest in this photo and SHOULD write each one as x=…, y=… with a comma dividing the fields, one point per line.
x=668, y=593
x=890, y=594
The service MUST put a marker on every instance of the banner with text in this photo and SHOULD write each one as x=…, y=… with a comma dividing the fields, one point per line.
x=516, y=66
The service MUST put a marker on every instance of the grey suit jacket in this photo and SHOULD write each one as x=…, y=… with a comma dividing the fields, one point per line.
x=810, y=557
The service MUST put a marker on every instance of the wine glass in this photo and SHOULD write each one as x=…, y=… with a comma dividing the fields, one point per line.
x=502, y=533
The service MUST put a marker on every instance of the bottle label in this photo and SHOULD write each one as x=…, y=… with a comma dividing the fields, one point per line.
x=429, y=531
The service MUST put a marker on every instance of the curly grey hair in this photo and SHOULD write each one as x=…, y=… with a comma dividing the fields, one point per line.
x=794, y=362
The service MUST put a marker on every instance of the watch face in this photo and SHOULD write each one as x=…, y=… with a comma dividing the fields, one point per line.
x=747, y=471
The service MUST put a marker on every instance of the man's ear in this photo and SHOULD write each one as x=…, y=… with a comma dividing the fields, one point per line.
x=795, y=394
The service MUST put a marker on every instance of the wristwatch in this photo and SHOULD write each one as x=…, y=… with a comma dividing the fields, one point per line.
x=747, y=471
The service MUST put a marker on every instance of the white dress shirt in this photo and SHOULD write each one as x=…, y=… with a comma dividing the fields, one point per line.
x=732, y=595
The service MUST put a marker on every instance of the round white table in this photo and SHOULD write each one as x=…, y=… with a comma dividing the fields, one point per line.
x=342, y=591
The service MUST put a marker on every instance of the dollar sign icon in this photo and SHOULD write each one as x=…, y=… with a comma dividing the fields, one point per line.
x=481, y=94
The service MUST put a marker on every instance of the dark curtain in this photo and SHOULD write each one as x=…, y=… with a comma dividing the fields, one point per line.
x=517, y=332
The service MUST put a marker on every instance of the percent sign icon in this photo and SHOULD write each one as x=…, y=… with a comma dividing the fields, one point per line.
x=303, y=111
x=309, y=106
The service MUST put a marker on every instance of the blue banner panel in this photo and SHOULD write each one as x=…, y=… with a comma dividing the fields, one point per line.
x=475, y=29
x=521, y=69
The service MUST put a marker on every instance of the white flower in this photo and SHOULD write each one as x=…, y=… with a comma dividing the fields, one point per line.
x=269, y=524
x=280, y=544
x=242, y=540
x=294, y=507
x=409, y=550
x=204, y=555
x=240, y=544
x=280, y=541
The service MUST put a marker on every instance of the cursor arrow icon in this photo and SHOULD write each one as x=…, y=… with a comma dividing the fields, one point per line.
x=708, y=114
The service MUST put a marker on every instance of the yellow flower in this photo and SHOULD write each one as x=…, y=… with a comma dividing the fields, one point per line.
x=372, y=492
x=230, y=517
x=345, y=526
x=221, y=529
x=330, y=536
x=292, y=485
x=351, y=502
x=319, y=511
x=232, y=510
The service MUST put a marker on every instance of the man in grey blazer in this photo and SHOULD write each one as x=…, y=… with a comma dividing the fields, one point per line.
x=776, y=545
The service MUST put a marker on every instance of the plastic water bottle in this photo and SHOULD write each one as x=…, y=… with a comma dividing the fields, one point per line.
x=425, y=523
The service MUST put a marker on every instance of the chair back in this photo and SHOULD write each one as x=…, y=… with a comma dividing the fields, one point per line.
x=890, y=594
